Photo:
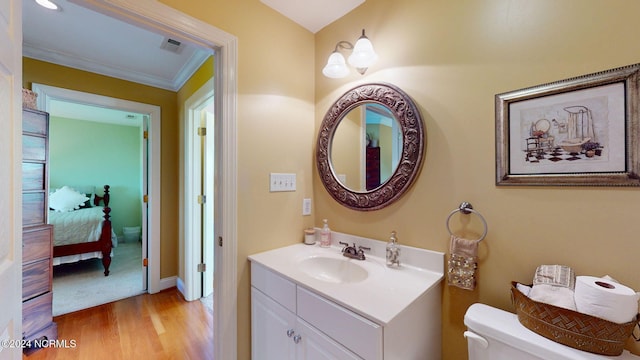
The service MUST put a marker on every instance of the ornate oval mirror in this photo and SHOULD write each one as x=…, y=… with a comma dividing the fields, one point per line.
x=370, y=146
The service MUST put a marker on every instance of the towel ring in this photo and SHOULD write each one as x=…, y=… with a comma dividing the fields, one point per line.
x=467, y=208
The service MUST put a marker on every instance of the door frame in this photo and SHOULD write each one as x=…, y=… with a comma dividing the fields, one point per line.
x=151, y=174
x=11, y=176
x=192, y=185
x=157, y=16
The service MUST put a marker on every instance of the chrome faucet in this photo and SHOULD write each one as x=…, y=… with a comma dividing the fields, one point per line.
x=353, y=253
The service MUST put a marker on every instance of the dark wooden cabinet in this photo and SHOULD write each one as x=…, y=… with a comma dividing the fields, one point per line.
x=373, y=168
x=37, y=235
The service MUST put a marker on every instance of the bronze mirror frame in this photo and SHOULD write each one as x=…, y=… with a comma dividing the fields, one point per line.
x=413, y=144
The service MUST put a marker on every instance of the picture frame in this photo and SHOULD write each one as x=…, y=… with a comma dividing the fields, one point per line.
x=582, y=131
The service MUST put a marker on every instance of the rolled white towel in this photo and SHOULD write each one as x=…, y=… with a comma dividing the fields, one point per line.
x=523, y=289
x=553, y=295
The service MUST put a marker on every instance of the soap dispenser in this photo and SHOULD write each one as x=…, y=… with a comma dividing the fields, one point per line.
x=393, y=251
x=325, y=234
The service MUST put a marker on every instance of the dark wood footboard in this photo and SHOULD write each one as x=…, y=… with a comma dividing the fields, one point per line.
x=103, y=244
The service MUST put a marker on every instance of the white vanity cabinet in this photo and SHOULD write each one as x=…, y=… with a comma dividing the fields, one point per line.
x=277, y=332
x=303, y=312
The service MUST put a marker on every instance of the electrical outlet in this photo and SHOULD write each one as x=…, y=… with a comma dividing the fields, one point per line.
x=282, y=182
x=306, y=206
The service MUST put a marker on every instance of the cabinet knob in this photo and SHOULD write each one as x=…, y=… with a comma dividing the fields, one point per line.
x=290, y=332
x=297, y=338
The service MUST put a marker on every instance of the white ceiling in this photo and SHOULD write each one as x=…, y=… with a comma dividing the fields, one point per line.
x=81, y=38
x=313, y=14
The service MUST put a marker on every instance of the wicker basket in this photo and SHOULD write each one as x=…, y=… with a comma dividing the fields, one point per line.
x=571, y=328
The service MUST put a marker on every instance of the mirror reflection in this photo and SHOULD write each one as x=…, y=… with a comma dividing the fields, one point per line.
x=366, y=147
x=370, y=146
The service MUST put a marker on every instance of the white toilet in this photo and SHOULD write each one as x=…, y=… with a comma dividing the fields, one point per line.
x=494, y=334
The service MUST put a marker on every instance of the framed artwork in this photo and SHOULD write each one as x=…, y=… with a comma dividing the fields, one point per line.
x=581, y=131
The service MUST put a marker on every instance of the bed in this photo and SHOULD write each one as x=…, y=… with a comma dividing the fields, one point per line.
x=81, y=226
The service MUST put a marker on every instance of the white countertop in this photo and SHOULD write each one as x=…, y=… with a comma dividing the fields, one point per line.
x=381, y=296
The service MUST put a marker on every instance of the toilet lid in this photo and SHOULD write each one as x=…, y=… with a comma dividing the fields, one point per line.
x=492, y=323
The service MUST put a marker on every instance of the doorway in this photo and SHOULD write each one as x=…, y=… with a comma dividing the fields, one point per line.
x=155, y=15
x=199, y=192
x=150, y=164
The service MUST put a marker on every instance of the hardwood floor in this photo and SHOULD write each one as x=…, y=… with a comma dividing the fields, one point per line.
x=158, y=326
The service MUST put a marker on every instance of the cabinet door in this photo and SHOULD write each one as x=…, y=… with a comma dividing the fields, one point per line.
x=314, y=345
x=270, y=323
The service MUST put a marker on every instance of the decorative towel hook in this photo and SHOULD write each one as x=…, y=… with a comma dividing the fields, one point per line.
x=466, y=208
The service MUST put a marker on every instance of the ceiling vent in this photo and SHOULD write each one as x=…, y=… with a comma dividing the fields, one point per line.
x=172, y=45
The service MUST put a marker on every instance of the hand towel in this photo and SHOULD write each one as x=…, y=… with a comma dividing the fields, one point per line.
x=463, y=262
x=556, y=275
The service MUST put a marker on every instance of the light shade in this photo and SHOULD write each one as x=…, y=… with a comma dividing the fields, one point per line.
x=363, y=54
x=47, y=4
x=336, y=66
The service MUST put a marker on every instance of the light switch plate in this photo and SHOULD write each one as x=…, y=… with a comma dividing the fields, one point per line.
x=282, y=182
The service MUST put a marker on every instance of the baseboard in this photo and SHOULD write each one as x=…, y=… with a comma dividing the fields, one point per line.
x=166, y=283
x=180, y=285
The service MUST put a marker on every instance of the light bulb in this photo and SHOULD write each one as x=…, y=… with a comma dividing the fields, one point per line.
x=336, y=66
x=363, y=54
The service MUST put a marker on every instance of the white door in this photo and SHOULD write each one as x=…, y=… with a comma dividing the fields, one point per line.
x=10, y=178
x=200, y=193
x=208, y=243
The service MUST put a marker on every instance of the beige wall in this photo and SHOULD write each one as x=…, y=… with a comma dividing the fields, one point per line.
x=347, y=142
x=452, y=57
x=275, y=129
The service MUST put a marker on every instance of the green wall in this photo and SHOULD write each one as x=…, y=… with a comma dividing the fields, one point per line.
x=91, y=153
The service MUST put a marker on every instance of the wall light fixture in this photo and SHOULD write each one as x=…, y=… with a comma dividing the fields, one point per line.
x=362, y=56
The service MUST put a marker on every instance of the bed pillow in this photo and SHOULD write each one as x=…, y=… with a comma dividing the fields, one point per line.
x=87, y=190
x=66, y=199
x=88, y=203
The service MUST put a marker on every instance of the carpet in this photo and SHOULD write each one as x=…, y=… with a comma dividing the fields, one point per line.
x=83, y=285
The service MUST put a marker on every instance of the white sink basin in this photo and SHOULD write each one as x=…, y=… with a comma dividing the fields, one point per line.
x=333, y=270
